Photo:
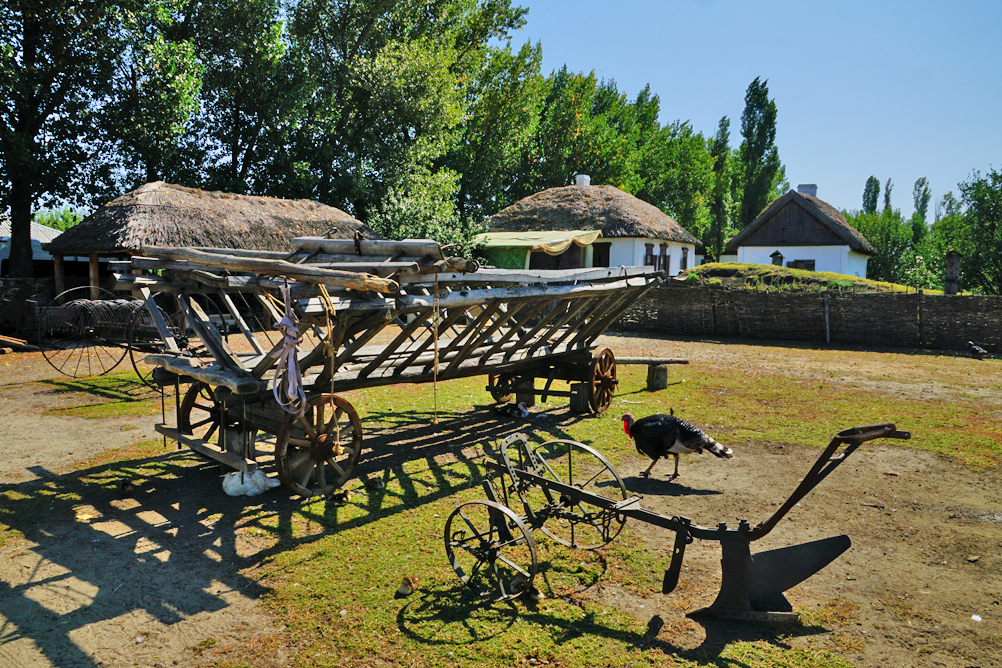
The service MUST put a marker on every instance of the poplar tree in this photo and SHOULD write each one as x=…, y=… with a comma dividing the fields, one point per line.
x=871, y=193
x=759, y=155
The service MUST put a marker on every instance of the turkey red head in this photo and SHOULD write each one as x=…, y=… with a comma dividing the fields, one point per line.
x=627, y=423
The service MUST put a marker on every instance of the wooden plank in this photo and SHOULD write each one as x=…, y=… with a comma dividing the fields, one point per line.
x=472, y=328
x=405, y=334
x=370, y=247
x=307, y=273
x=502, y=276
x=238, y=382
x=20, y=343
x=480, y=296
x=166, y=335
x=230, y=459
x=208, y=333
x=231, y=307
x=651, y=360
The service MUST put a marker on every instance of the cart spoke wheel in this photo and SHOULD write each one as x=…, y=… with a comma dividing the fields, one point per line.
x=603, y=380
x=201, y=416
x=580, y=525
x=80, y=337
x=317, y=453
x=491, y=550
x=500, y=387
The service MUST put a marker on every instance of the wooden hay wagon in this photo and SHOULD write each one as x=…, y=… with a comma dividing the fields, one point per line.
x=437, y=318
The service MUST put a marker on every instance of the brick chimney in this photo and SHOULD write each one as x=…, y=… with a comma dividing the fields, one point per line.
x=808, y=189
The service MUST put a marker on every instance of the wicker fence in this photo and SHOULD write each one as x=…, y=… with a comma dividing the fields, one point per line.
x=876, y=319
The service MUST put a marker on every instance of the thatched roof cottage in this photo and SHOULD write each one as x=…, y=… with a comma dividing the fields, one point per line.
x=586, y=226
x=803, y=232
x=163, y=214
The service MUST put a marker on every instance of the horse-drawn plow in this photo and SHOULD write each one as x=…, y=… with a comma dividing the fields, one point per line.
x=572, y=494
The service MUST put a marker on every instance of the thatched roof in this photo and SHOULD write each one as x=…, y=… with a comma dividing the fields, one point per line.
x=605, y=208
x=821, y=210
x=162, y=214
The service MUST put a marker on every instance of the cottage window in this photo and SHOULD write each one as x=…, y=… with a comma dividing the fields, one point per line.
x=649, y=255
x=663, y=258
x=807, y=265
x=683, y=264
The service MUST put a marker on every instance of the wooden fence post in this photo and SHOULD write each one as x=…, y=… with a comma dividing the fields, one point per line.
x=828, y=333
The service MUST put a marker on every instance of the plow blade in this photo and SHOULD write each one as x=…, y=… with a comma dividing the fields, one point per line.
x=752, y=586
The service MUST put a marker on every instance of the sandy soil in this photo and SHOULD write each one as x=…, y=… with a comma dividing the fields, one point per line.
x=148, y=579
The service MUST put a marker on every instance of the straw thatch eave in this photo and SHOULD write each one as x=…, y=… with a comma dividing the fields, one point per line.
x=616, y=213
x=162, y=214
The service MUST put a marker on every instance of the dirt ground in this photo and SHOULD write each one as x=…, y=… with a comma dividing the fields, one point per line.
x=142, y=581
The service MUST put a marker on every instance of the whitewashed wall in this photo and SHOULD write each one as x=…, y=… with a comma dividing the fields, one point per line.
x=837, y=259
x=630, y=252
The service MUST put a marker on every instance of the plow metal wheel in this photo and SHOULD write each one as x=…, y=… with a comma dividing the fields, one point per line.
x=578, y=525
x=81, y=337
x=491, y=550
x=317, y=453
x=603, y=380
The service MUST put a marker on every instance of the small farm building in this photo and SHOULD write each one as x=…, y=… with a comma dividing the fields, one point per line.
x=162, y=214
x=799, y=230
x=586, y=226
x=40, y=234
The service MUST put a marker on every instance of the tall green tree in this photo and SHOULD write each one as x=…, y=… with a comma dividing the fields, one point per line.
x=385, y=92
x=721, y=206
x=503, y=102
x=921, y=196
x=57, y=65
x=156, y=84
x=983, y=197
x=871, y=193
x=891, y=236
x=759, y=155
x=888, y=187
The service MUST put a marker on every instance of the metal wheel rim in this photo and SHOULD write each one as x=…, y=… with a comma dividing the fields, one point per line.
x=605, y=481
x=302, y=459
x=80, y=356
x=498, y=381
x=486, y=548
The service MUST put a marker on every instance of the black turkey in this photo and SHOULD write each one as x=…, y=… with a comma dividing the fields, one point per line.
x=659, y=435
x=976, y=350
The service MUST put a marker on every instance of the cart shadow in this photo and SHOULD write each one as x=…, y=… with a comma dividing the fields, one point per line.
x=92, y=553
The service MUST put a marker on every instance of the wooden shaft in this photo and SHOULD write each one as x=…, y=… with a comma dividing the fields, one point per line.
x=415, y=247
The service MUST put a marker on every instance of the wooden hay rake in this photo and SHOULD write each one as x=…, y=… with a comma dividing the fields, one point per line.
x=440, y=318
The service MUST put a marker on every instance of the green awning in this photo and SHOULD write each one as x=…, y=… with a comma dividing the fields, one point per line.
x=552, y=242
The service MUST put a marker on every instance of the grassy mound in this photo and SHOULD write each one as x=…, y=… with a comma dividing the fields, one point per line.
x=737, y=275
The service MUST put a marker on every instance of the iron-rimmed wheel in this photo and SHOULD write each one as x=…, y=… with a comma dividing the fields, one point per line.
x=317, y=452
x=82, y=337
x=491, y=550
x=603, y=380
x=573, y=523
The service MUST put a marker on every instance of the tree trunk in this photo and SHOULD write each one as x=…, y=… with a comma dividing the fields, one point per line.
x=21, y=265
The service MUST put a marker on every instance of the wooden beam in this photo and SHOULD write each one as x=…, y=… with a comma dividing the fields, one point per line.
x=230, y=459
x=231, y=307
x=237, y=381
x=94, y=276
x=414, y=247
x=59, y=272
x=306, y=273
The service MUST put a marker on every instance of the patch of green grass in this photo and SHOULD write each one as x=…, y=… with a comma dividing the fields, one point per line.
x=98, y=397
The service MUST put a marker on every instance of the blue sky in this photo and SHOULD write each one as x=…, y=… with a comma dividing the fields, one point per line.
x=894, y=89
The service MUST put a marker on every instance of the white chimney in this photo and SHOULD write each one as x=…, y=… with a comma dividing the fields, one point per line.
x=582, y=180
x=808, y=189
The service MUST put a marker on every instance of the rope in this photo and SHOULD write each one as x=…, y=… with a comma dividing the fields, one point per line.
x=434, y=322
x=288, y=387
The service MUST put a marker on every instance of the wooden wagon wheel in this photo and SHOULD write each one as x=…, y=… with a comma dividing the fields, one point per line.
x=316, y=453
x=603, y=380
x=500, y=387
x=201, y=415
